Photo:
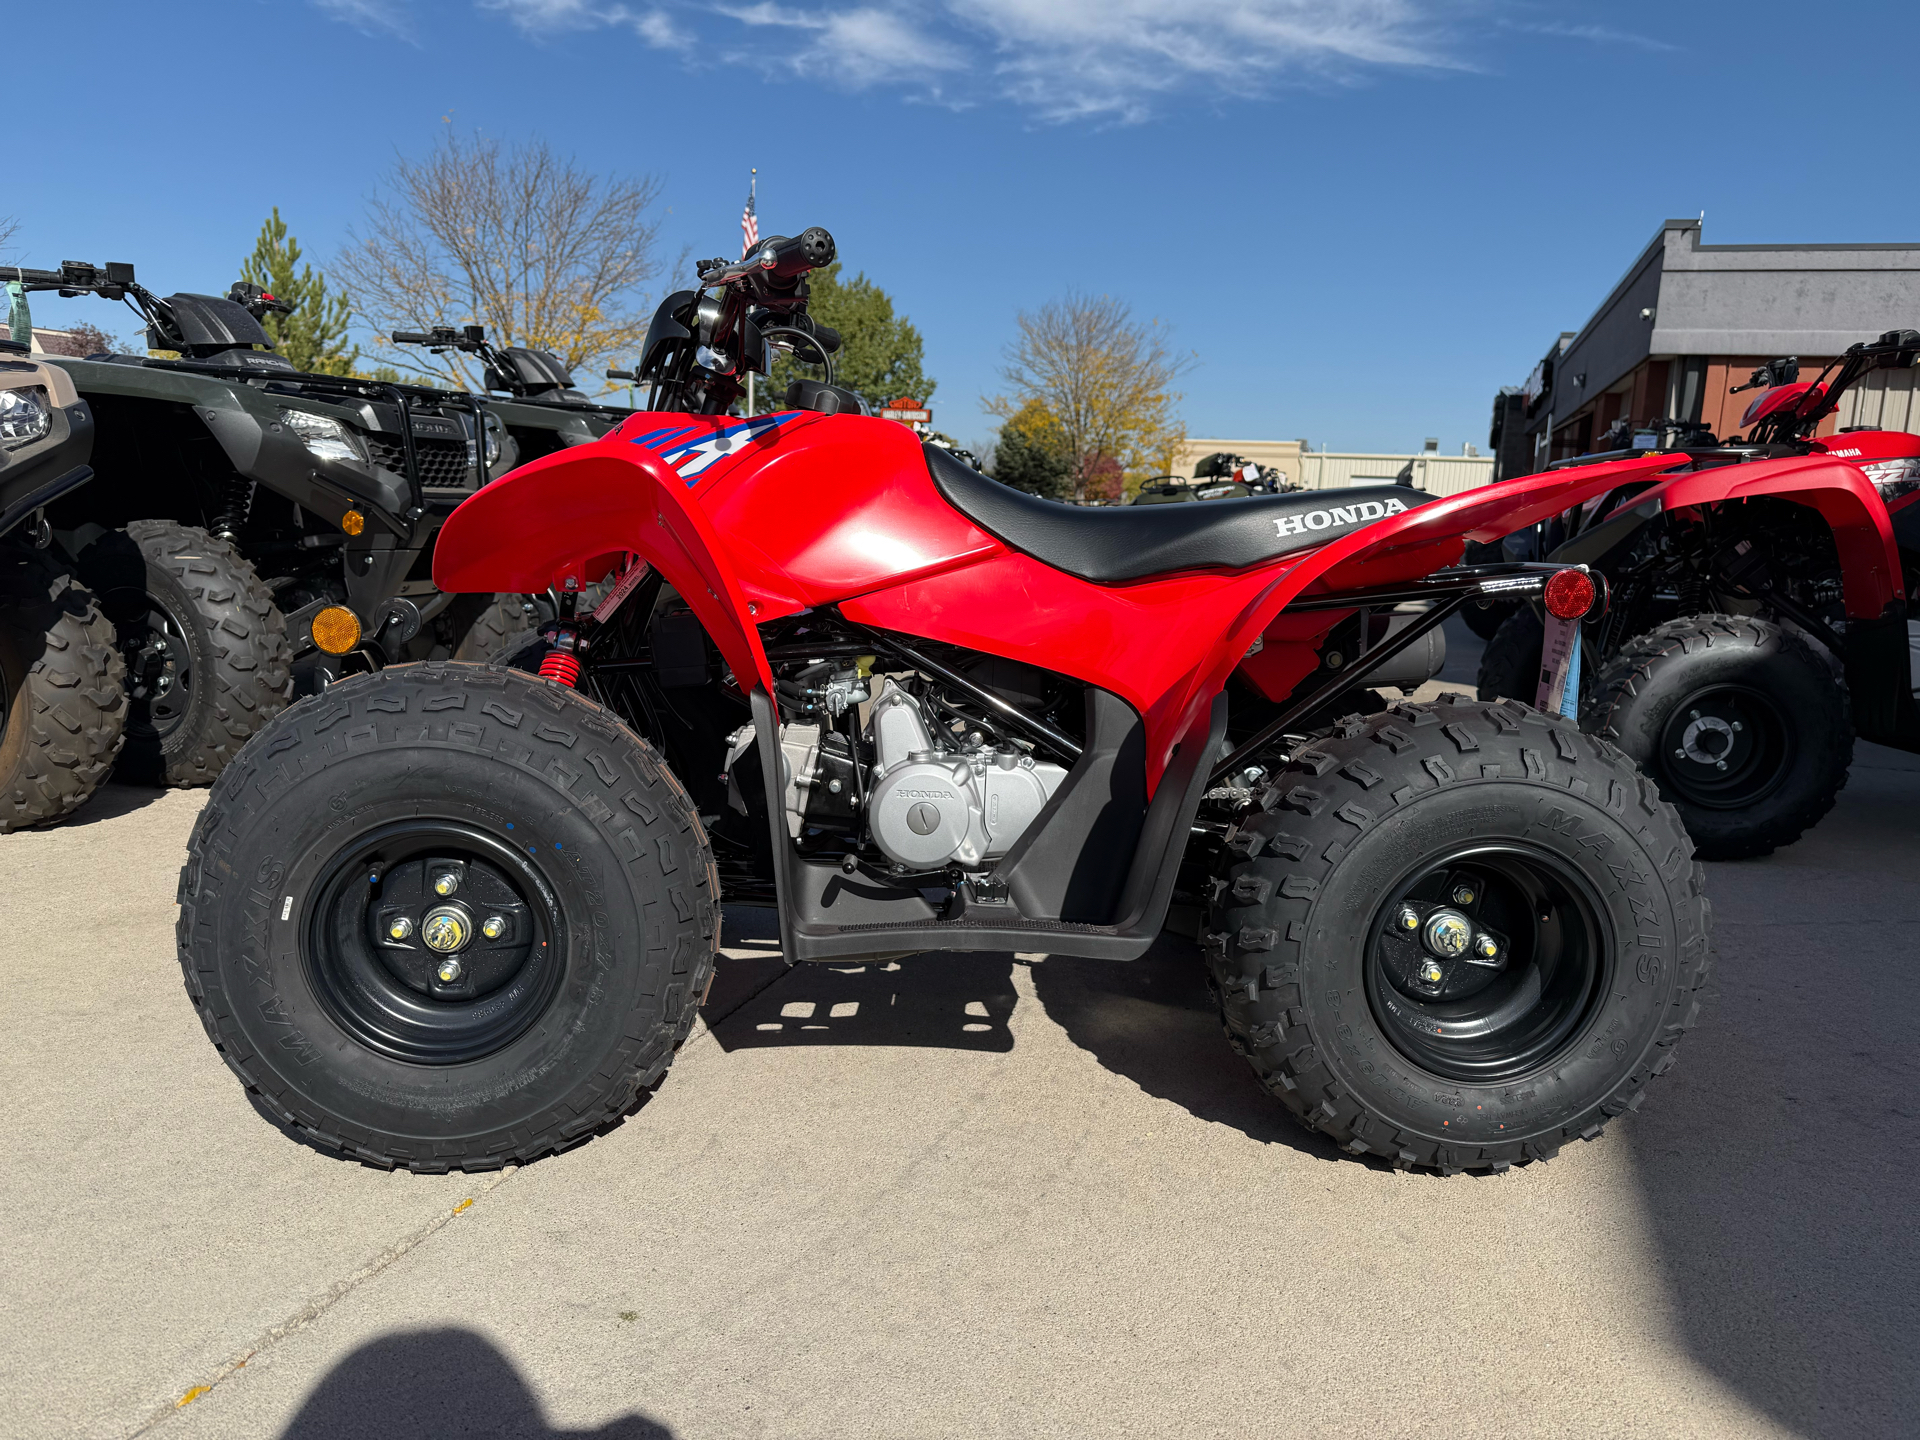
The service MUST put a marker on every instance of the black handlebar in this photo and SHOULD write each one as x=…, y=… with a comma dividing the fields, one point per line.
x=777, y=258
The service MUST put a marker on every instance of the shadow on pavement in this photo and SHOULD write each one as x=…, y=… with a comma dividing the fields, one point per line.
x=1153, y=1022
x=949, y=1000
x=1778, y=1160
x=112, y=801
x=448, y=1382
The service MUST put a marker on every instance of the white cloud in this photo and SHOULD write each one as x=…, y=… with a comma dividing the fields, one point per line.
x=371, y=17
x=540, y=18
x=1112, y=60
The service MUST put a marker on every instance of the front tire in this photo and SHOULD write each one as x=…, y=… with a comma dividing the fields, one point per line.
x=63, y=705
x=207, y=657
x=1740, y=722
x=582, y=913
x=1534, y=836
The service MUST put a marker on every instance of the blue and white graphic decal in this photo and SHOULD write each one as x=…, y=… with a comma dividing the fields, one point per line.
x=690, y=449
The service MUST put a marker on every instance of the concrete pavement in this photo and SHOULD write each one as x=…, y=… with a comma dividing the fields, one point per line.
x=966, y=1194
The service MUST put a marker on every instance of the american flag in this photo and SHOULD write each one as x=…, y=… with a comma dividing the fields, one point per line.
x=749, y=223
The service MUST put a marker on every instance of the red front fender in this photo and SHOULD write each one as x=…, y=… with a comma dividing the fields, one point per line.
x=1834, y=489
x=576, y=513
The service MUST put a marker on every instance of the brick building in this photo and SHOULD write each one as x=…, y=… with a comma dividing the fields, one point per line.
x=1688, y=321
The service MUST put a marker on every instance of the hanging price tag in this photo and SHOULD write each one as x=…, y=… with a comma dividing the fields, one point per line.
x=1559, y=691
x=635, y=573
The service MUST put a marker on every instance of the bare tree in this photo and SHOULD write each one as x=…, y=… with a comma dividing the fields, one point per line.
x=521, y=241
x=1106, y=379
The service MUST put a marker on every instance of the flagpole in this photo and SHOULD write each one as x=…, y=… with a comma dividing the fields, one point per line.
x=753, y=181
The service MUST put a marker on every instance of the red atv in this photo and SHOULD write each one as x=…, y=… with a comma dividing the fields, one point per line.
x=458, y=916
x=1763, y=608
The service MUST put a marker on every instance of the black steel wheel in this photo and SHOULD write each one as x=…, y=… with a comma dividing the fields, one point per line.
x=445, y=915
x=434, y=941
x=1724, y=747
x=1457, y=935
x=1486, y=964
x=1745, y=728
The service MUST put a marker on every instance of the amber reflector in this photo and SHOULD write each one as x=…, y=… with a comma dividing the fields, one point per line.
x=353, y=522
x=336, y=630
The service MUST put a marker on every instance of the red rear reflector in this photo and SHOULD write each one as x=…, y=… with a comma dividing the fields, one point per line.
x=1569, y=594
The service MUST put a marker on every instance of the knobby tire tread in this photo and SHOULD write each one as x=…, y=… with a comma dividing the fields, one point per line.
x=69, y=694
x=1364, y=772
x=546, y=722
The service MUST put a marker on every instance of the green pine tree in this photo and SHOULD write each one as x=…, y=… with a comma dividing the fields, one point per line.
x=314, y=336
x=880, y=354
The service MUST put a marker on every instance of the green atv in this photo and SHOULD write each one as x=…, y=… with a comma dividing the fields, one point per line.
x=255, y=532
x=63, y=709
x=543, y=412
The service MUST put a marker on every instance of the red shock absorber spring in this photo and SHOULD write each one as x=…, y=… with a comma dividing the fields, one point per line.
x=562, y=666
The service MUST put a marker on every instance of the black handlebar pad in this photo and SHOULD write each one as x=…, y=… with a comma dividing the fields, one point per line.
x=412, y=337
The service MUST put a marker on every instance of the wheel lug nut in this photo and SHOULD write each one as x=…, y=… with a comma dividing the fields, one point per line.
x=446, y=883
x=1734, y=725
x=448, y=971
x=494, y=927
x=1680, y=754
x=1720, y=765
x=1410, y=919
x=1463, y=895
x=1430, y=973
x=1694, y=715
x=1486, y=947
x=400, y=928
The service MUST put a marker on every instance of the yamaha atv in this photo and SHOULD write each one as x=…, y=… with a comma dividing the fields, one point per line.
x=1763, y=606
x=63, y=709
x=453, y=915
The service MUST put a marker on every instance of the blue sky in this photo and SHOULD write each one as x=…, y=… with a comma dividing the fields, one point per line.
x=1361, y=216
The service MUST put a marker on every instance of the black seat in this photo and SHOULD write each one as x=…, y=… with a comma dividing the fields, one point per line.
x=1115, y=543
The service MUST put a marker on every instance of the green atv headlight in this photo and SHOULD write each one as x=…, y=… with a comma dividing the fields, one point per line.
x=24, y=415
x=324, y=437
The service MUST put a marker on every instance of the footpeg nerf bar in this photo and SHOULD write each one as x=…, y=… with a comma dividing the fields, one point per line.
x=1449, y=589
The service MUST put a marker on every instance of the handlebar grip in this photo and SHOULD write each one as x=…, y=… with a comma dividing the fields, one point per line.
x=809, y=250
x=412, y=337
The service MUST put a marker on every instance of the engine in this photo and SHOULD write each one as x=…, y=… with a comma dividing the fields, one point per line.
x=928, y=808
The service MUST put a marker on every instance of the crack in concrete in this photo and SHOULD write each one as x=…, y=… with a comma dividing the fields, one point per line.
x=320, y=1305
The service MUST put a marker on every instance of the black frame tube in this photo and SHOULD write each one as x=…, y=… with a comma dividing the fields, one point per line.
x=1453, y=589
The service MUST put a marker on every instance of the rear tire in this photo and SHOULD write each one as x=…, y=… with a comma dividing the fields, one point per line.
x=1511, y=660
x=1560, y=849
x=554, y=818
x=207, y=658
x=63, y=702
x=1485, y=620
x=1761, y=724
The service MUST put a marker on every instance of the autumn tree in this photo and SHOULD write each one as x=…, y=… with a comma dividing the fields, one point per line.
x=1032, y=454
x=82, y=340
x=522, y=241
x=880, y=355
x=1107, y=379
x=313, y=336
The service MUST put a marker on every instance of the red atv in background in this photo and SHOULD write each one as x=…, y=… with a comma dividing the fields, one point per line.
x=459, y=916
x=1762, y=610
